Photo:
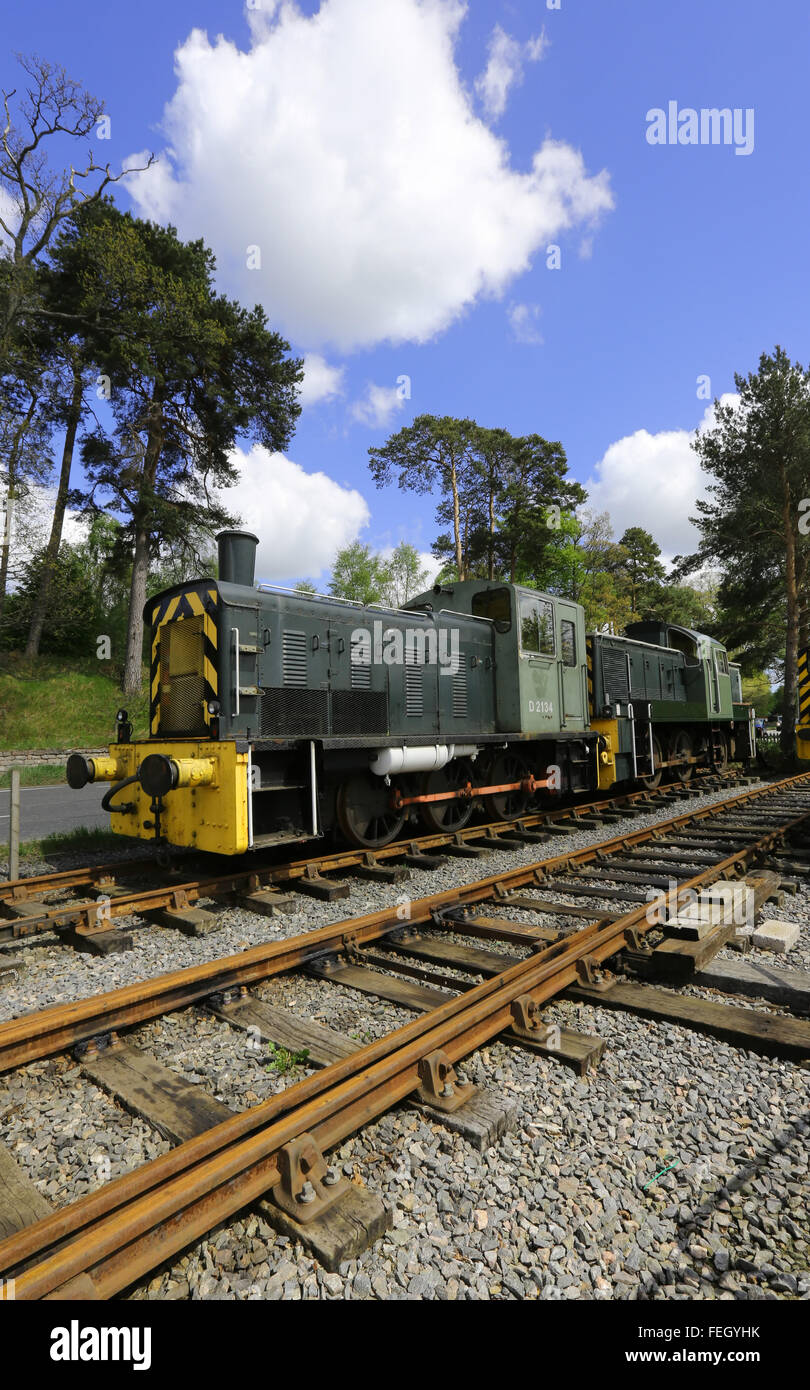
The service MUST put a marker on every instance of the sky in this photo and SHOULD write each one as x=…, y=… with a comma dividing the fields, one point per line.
x=468, y=210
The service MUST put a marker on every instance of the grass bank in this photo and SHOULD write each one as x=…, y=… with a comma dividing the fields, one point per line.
x=52, y=703
x=48, y=775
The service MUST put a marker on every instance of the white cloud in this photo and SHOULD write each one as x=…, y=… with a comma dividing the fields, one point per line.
x=75, y=528
x=653, y=481
x=31, y=527
x=536, y=47
x=504, y=68
x=301, y=518
x=153, y=189
x=378, y=407
x=429, y=562
x=322, y=382
x=523, y=322
x=10, y=215
x=344, y=145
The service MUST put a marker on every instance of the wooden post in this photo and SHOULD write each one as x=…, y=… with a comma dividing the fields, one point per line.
x=14, y=825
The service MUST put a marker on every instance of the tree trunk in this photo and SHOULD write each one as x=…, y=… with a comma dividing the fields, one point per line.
x=788, y=738
x=6, y=545
x=133, y=662
x=804, y=606
x=491, y=565
x=133, y=665
x=41, y=601
x=456, y=518
x=13, y=457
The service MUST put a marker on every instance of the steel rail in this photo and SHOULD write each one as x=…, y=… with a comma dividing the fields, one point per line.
x=22, y=889
x=91, y=917
x=45, y=1031
x=61, y=1026
x=208, y=1179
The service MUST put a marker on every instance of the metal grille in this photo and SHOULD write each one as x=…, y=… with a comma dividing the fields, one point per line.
x=294, y=658
x=414, y=688
x=182, y=684
x=360, y=663
x=459, y=694
x=359, y=712
x=181, y=710
x=284, y=712
x=614, y=674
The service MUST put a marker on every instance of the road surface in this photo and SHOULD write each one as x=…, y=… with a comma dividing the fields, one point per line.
x=47, y=809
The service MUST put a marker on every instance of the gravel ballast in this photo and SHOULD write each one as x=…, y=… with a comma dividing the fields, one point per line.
x=558, y=1209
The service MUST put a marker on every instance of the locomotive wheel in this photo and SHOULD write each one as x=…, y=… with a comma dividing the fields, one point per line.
x=650, y=783
x=507, y=767
x=682, y=748
x=447, y=815
x=364, y=812
x=721, y=760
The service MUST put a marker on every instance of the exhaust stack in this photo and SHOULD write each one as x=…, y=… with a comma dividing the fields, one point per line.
x=236, y=557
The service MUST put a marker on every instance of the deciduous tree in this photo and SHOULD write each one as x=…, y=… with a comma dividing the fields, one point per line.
x=406, y=575
x=40, y=198
x=359, y=574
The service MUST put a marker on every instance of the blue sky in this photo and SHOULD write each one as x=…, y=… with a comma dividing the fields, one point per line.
x=694, y=262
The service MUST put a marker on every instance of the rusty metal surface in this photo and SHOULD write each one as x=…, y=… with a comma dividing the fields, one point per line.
x=138, y=1221
x=85, y=916
x=62, y=1026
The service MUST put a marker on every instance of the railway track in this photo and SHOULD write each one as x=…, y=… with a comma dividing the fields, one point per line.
x=463, y=994
x=115, y=890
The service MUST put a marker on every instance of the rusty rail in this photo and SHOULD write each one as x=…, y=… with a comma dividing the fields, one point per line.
x=23, y=889
x=86, y=918
x=63, y=1025
x=143, y=1218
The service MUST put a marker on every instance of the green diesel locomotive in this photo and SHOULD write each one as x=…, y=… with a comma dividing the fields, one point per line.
x=277, y=715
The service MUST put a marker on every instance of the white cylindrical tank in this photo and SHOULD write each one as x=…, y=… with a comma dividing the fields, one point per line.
x=389, y=761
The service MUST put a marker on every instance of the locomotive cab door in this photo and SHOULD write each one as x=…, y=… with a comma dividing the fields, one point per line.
x=541, y=696
x=572, y=667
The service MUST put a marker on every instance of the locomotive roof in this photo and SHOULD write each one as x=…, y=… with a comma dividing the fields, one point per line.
x=660, y=625
x=431, y=597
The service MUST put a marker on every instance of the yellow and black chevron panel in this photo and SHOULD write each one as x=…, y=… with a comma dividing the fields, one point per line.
x=803, y=722
x=190, y=650
x=804, y=686
x=589, y=659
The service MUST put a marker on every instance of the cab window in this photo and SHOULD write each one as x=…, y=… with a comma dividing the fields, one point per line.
x=494, y=604
x=568, y=642
x=722, y=662
x=536, y=626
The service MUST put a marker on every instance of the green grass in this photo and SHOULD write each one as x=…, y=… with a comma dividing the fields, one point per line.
x=48, y=775
x=69, y=842
x=50, y=702
x=283, y=1060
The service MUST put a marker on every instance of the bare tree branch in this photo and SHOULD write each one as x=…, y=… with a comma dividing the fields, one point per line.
x=44, y=198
